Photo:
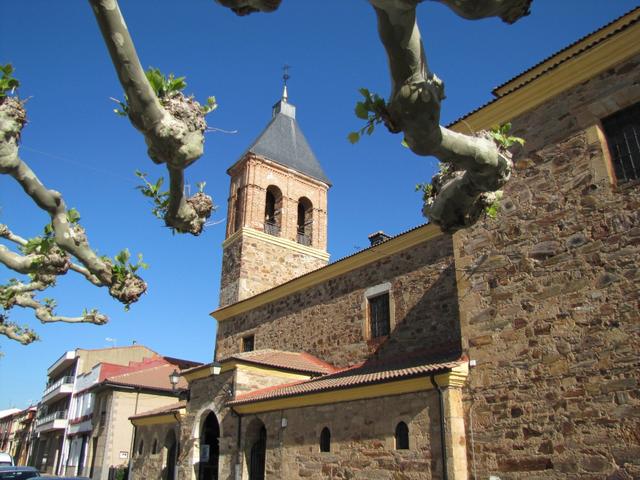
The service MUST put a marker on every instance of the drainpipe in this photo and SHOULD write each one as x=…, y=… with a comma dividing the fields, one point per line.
x=443, y=445
x=133, y=437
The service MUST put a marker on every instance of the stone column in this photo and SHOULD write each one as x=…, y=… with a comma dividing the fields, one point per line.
x=455, y=435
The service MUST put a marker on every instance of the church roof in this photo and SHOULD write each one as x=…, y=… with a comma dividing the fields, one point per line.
x=298, y=361
x=283, y=142
x=355, y=376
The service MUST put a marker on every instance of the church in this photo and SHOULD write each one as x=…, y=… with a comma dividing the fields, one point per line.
x=508, y=350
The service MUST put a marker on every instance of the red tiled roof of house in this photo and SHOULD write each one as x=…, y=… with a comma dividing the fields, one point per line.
x=358, y=375
x=298, y=361
x=162, y=410
x=156, y=377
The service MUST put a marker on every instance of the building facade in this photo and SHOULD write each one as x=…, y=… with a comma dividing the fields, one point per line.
x=506, y=351
x=52, y=437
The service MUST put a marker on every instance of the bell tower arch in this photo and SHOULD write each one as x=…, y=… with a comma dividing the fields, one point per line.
x=277, y=210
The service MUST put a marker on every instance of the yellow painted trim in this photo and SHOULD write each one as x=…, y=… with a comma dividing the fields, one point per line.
x=567, y=75
x=412, y=385
x=458, y=375
x=278, y=241
x=158, y=419
x=566, y=53
x=271, y=371
x=203, y=372
x=390, y=247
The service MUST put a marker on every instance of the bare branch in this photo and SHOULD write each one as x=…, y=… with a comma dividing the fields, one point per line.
x=414, y=109
x=173, y=126
x=68, y=236
x=15, y=332
x=45, y=314
x=5, y=232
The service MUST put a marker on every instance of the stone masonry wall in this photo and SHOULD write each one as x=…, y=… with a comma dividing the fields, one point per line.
x=362, y=440
x=150, y=465
x=549, y=301
x=251, y=265
x=329, y=319
x=207, y=395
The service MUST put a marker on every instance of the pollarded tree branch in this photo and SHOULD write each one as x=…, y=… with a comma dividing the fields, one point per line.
x=414, y=109
x=13, y=331
x=23, y=295
x=67, y=235
x=45, y=313
x=5, y=232
x=414, y=106
x=173, y=126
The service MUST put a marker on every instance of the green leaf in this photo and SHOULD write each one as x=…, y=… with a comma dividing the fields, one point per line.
x=73, y=216
x=365, y=93
x=361, y=111
x=123, y=257
x=353, y=137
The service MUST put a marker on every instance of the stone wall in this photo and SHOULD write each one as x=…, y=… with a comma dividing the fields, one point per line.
x=207, y=395
x=152, y=464
x=251, y=265
x=549, y=301
x=328, y=320
x=362, y=440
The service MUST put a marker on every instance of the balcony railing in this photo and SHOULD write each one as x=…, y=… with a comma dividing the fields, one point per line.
x=61, y=381
x=59, y=415
x=271, y=228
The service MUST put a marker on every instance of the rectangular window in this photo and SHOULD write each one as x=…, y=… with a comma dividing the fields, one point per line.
x=622, y=130
x=248, y=343
x=379, y=317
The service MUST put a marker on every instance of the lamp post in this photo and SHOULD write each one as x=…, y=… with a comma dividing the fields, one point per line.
x=174, y=378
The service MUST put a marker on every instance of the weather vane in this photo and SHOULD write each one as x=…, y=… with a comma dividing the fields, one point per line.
x=285, y=75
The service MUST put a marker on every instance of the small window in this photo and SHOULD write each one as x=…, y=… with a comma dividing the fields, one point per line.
x=141, y=447
x=622, y=130
x=402, y=436
x=325, y=440
x=379, y=318
x=154, y=449
x=248, y=343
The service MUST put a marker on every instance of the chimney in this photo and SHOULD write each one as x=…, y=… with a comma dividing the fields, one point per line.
x=378, y=237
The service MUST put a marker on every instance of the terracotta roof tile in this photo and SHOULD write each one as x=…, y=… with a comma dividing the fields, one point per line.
x=357, y=375
x=156, y=377
x=298, y=361
x=162, y=410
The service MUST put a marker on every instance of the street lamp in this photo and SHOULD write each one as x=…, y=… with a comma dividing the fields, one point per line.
x=174, y=378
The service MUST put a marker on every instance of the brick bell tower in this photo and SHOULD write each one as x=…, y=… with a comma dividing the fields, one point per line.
x=277, y=211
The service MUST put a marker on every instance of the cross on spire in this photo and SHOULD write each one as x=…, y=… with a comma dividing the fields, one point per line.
x=285, y=77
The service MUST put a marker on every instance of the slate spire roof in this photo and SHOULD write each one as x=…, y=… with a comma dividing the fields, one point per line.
x=283, y=142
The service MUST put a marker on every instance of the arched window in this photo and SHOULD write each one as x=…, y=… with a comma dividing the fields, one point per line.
x=141, y=447
x=305, y=221
x=402, y=436
x=272, y=211
x=325, y=440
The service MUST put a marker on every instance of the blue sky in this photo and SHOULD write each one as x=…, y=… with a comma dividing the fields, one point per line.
x=78, y=146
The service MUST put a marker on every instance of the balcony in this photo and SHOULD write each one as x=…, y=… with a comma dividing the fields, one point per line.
x=271, y=228
x=58, y=389
x=53, y=421
x=65, y=361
